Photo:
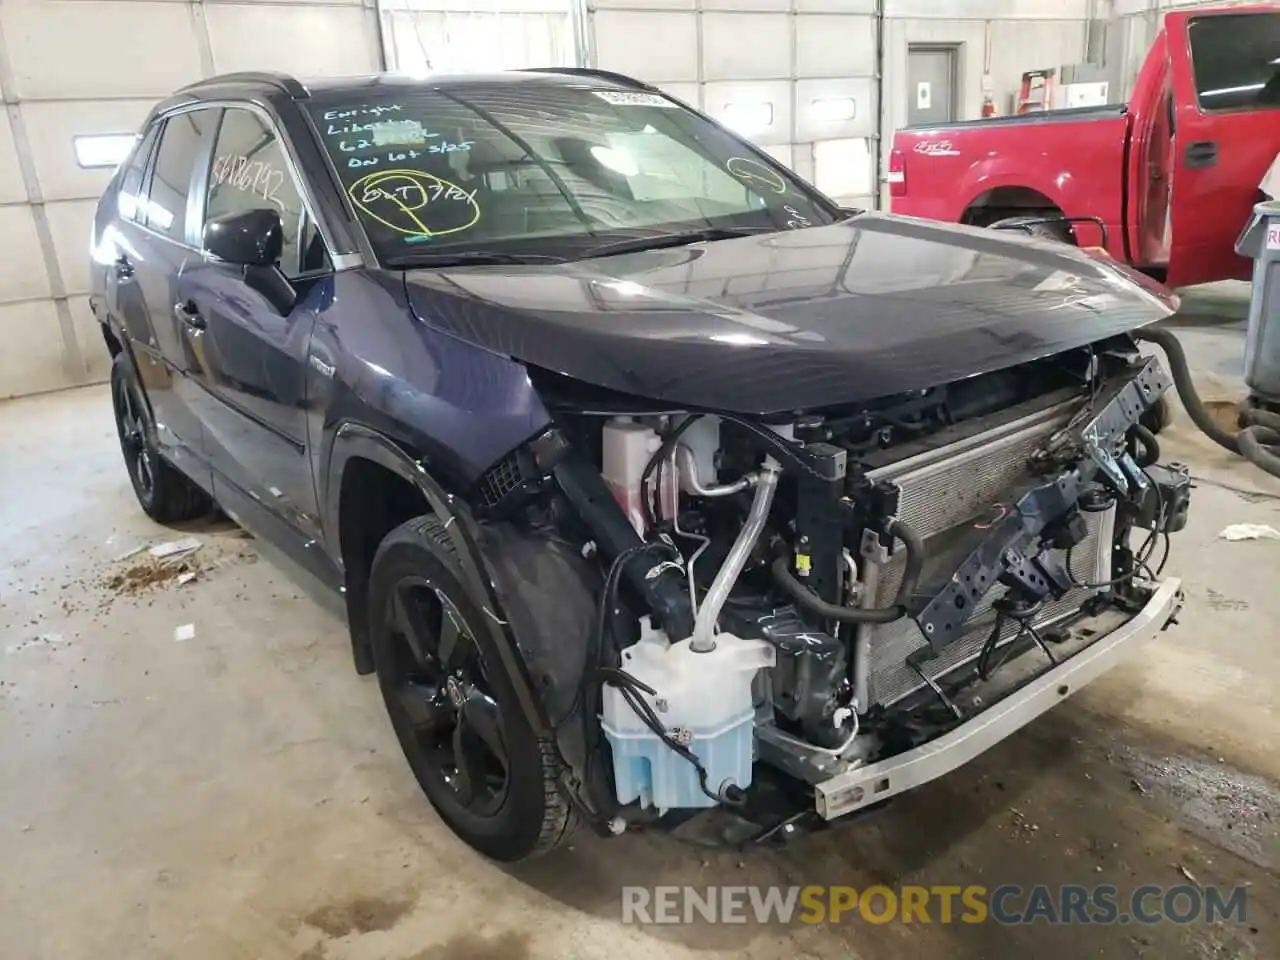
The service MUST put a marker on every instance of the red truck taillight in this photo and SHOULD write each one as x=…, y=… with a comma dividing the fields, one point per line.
x=897, y=175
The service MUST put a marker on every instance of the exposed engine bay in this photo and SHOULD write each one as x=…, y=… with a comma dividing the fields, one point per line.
x=825, y=591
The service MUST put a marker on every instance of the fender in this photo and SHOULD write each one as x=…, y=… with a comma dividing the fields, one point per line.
x=991, y=174
x=356, y=440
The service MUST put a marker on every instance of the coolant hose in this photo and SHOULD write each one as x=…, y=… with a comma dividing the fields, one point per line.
x=704, y=626
x=831, y=611
x=1150, y=445
x=1262, y=430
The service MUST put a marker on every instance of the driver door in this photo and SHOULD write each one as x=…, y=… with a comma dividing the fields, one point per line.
x=251, y=339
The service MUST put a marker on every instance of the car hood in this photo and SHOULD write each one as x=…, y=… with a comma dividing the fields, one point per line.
x=869, y=307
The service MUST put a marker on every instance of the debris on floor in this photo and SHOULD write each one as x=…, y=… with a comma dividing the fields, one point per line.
x=175, y=548
x=1250, y=531
x=120, y=558
x=185, y=632
x=146, y=574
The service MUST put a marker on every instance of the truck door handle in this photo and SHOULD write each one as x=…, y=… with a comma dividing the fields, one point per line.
x=1202, y=153
x=189, y=314
x=123, y=267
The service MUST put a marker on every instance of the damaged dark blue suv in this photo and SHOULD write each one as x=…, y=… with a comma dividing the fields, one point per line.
x=654, y=481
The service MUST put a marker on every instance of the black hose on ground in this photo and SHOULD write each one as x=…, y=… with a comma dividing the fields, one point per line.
x=1262, y=429
x=830, y=611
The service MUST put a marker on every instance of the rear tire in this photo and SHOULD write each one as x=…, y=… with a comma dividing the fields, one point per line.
x=452, y=705
x=164, y=492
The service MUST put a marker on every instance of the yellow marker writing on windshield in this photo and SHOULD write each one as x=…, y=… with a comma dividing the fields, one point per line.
x=399, y=199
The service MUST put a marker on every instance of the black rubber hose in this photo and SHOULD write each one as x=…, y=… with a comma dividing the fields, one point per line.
x=1150, y=445
x=1251, y=442
x=814, y=604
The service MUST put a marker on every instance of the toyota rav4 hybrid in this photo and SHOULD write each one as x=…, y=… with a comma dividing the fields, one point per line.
x=653, y=480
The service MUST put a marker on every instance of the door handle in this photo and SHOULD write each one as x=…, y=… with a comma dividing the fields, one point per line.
x=124, y=268
x=189, y=314
x=1202, y=153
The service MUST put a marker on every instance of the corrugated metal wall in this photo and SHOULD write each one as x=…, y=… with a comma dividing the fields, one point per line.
x=798, y=77
x=73, y=68
x=1133, y=27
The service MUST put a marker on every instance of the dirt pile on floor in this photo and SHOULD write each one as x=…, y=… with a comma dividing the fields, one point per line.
x=148, y=573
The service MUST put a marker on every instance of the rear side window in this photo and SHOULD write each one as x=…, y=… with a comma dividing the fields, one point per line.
x=250, y=172
x=128, y=197
x=176, y=160
x=1236, y=59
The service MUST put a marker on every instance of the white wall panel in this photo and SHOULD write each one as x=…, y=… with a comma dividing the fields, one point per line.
x=70, y=222
x=11, y=187
x=836, y=6
x=754, y=5
x=22, y=271
x=32, y=358
x=88, y=335
x=989, y=9
x=835, y=46
x=746, y=46
x=722, y=98
x=107, y=48
x=251, y=37
x=1017, y=46
x=645, y=4
x=73, y=67
x=690, y=93
x=50, y=128
x=670, y=53
x=812, y=120
x=423, y=41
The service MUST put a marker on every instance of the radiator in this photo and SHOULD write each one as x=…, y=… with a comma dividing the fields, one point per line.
x=956, y=485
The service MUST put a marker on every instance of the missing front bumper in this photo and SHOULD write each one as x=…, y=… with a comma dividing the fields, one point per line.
x=864, y=786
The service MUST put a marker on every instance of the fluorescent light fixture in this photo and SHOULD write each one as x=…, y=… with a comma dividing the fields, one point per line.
x=1248, y=87
x=833, y=109
x=103, y=149
x=747, y=118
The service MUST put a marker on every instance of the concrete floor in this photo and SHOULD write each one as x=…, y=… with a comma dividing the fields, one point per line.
x=240, y=794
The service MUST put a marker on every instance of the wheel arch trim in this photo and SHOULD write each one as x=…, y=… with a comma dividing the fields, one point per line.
x=354, y=440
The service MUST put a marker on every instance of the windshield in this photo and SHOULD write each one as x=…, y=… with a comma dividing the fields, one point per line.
x=547, y=169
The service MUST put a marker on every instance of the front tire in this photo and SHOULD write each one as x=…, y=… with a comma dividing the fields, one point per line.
x=165, y=494
x=452, y=705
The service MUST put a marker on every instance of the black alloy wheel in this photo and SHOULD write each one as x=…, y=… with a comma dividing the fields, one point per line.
x=452, y=704
x=134, y=444
x=440, y=698
x=165, y=494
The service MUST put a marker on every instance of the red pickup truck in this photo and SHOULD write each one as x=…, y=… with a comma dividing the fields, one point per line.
x=1172, y=175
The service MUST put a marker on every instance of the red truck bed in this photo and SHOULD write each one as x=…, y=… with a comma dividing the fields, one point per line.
x=1173, y=174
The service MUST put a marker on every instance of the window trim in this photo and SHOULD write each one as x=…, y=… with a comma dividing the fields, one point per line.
x=1192, y=19
x=162, y=120
x=144, y=177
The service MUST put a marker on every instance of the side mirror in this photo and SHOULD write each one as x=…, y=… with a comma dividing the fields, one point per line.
x=254, y=238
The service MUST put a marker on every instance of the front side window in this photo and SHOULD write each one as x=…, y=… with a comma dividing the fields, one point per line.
x=250, y=172
x=543, y=168
x=1236, y=59
x=176, y=161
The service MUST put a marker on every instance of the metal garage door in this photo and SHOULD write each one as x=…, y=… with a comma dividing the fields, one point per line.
x=76, y=75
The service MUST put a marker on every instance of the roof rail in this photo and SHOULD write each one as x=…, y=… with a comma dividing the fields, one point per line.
x=281, y=81
x=618, y=78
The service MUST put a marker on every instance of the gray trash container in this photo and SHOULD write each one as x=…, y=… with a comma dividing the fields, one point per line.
x=1261, y=241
